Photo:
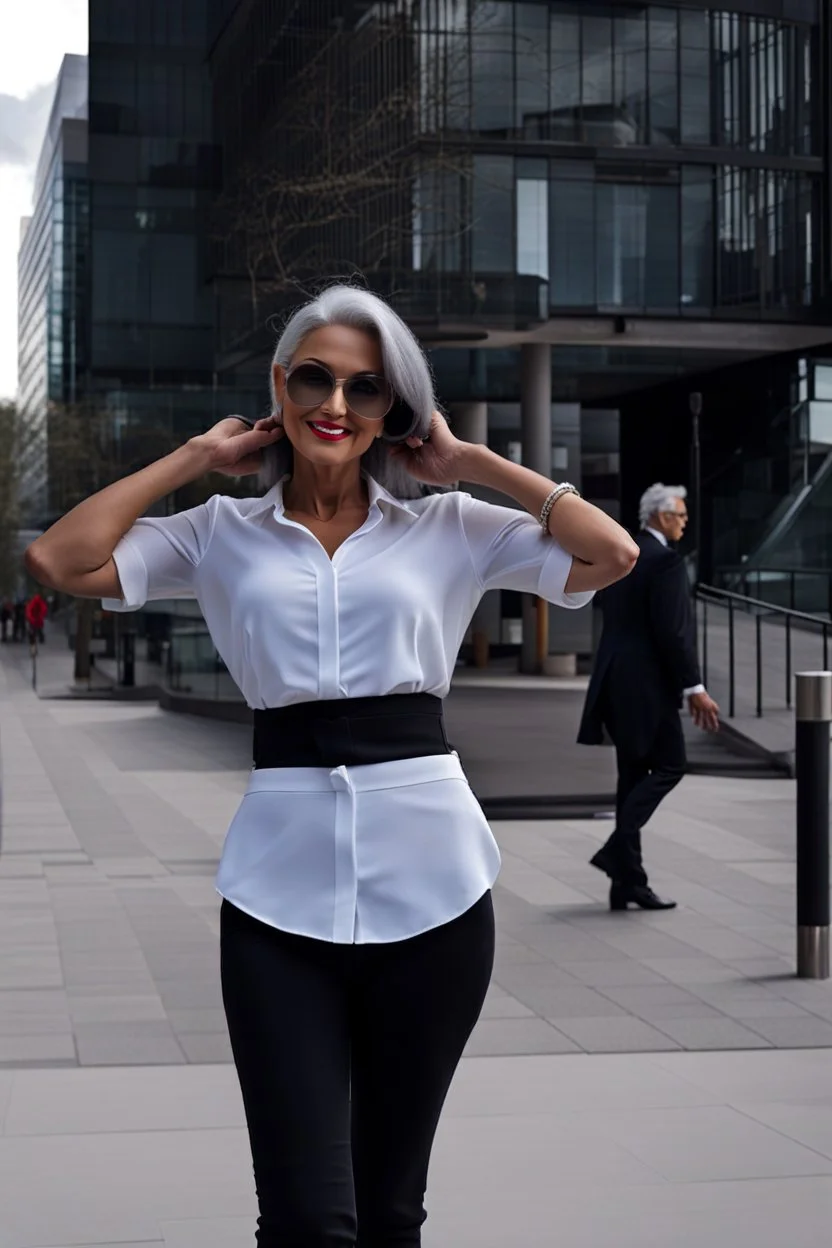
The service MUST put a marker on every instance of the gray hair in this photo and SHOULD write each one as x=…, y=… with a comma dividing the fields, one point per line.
x=658, y=498
x=405, y=366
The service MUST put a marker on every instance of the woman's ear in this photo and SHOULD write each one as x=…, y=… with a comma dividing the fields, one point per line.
x=279, y=380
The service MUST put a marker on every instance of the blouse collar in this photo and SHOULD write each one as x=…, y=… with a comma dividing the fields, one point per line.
x=379, y=497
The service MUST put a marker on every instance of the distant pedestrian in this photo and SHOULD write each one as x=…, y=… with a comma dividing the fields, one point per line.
x=6, y=618
x=19, y=619
x=646, y=666
x=36, y=612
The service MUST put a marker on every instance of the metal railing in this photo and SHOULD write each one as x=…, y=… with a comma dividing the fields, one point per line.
x=741, y=607
x=790, y=584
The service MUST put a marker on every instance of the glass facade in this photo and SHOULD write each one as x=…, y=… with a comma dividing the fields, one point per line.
x=53, y=284
x=154, y=170
x=677, y=171
x=616, y=75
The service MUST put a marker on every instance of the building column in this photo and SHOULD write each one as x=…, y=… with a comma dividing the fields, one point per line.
x=536, y=439
x=469, y=422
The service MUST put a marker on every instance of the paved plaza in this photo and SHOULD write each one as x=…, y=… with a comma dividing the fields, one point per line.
x=643, y=1079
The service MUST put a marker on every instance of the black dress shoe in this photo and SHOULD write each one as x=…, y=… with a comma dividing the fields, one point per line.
x=621, y=895
x=606, y=862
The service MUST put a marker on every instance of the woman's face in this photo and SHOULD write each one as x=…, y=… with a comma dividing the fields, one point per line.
x=330, y=434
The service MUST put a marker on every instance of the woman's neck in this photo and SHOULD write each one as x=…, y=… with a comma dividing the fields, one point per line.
x=323, y=492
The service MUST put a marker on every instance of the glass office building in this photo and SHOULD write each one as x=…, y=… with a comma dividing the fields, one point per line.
x=53, y=284
x=154, y=170
x=585, y=210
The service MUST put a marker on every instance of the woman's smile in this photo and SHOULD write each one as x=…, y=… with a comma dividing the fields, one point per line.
x=328, y=431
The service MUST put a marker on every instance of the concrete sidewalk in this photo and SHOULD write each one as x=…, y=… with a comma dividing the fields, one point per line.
x=576, y=1117
x=648, y=1151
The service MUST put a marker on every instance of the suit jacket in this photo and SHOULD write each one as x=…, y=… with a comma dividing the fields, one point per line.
x=647, y=654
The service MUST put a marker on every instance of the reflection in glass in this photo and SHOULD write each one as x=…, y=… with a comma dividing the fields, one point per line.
x=565, y=76
x=572, y=242
x=531, y=67
x=695, y=80
x=697, y=237
x=632, y=273
x=492, y=246
x=663, y=76
x=765, y=246
x=492, y=55
x=533, y=227
x=630, y=35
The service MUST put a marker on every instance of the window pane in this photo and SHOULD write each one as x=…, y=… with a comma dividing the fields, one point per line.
x=493, y=226
x=697, y=238
x=533, y=227
x=630, y=34
x=572, y=244
x=597, y=66
x=531, y=63
x=695, y=77
x=565, y=76
x=622, y=242
x=661, y=254
x=437, y=225
x=492, y=66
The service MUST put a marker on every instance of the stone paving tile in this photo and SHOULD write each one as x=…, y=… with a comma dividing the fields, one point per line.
x=614, y=1035
x=137, y=1043
x=711, y=1033
x=497, y=1037
x=794, y=1033
x=34, y=1048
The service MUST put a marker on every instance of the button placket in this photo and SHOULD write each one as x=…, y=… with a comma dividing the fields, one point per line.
x=329, y=659
x=346, y=867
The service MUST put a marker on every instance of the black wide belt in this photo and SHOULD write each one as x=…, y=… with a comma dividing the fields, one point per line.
x=348, y=732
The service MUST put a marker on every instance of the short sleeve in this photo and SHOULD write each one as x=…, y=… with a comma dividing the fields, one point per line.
x=158, y=558
x=510, y=551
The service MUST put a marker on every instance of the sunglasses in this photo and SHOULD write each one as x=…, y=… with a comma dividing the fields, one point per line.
x=365, y=394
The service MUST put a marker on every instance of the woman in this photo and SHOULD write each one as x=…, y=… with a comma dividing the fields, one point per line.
x=357, y=929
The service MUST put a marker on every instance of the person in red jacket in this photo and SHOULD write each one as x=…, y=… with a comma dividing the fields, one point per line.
x=36, y=610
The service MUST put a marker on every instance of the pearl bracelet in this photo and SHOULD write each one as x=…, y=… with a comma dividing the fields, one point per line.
x=557, y=492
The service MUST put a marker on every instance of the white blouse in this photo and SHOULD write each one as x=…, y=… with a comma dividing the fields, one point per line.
x=371, y=853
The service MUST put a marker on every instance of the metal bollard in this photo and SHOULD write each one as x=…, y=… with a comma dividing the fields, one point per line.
x=813, y=714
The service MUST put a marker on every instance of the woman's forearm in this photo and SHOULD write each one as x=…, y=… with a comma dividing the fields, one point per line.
x=84, y=539
x=584, y=531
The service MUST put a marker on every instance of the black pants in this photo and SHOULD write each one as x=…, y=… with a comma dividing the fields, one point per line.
x=345, y=1054
x=644, y=780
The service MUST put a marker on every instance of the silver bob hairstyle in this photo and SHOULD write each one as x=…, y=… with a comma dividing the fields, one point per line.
x=658, y=498
x=405, y=367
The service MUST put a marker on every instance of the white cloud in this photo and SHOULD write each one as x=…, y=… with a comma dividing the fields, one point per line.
x=44, y=30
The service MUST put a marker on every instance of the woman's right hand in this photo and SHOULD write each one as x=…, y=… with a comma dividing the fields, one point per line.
x=234, y=447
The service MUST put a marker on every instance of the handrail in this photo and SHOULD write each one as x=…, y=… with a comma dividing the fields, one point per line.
x=711, y=595
x=773, y=575
x=771, y=607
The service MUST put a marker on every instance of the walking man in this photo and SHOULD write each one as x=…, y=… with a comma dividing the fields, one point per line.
x=645, y=668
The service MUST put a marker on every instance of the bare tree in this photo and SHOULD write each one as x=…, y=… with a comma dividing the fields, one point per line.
x=354, y=164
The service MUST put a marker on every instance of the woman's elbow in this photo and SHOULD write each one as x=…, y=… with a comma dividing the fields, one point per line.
x=39, y=567
x=619, y=561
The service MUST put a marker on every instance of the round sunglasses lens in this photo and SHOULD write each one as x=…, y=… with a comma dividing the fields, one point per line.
x=308, y=385
x=369, y=397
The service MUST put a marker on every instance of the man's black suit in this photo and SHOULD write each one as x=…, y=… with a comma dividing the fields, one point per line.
x=646, y=659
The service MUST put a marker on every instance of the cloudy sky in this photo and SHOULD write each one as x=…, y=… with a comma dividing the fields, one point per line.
x=36, y=39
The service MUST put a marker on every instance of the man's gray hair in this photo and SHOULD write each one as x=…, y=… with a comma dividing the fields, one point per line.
x=405, y=366
x=658, y=498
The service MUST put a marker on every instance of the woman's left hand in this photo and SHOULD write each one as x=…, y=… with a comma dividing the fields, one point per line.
x=436, y=461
